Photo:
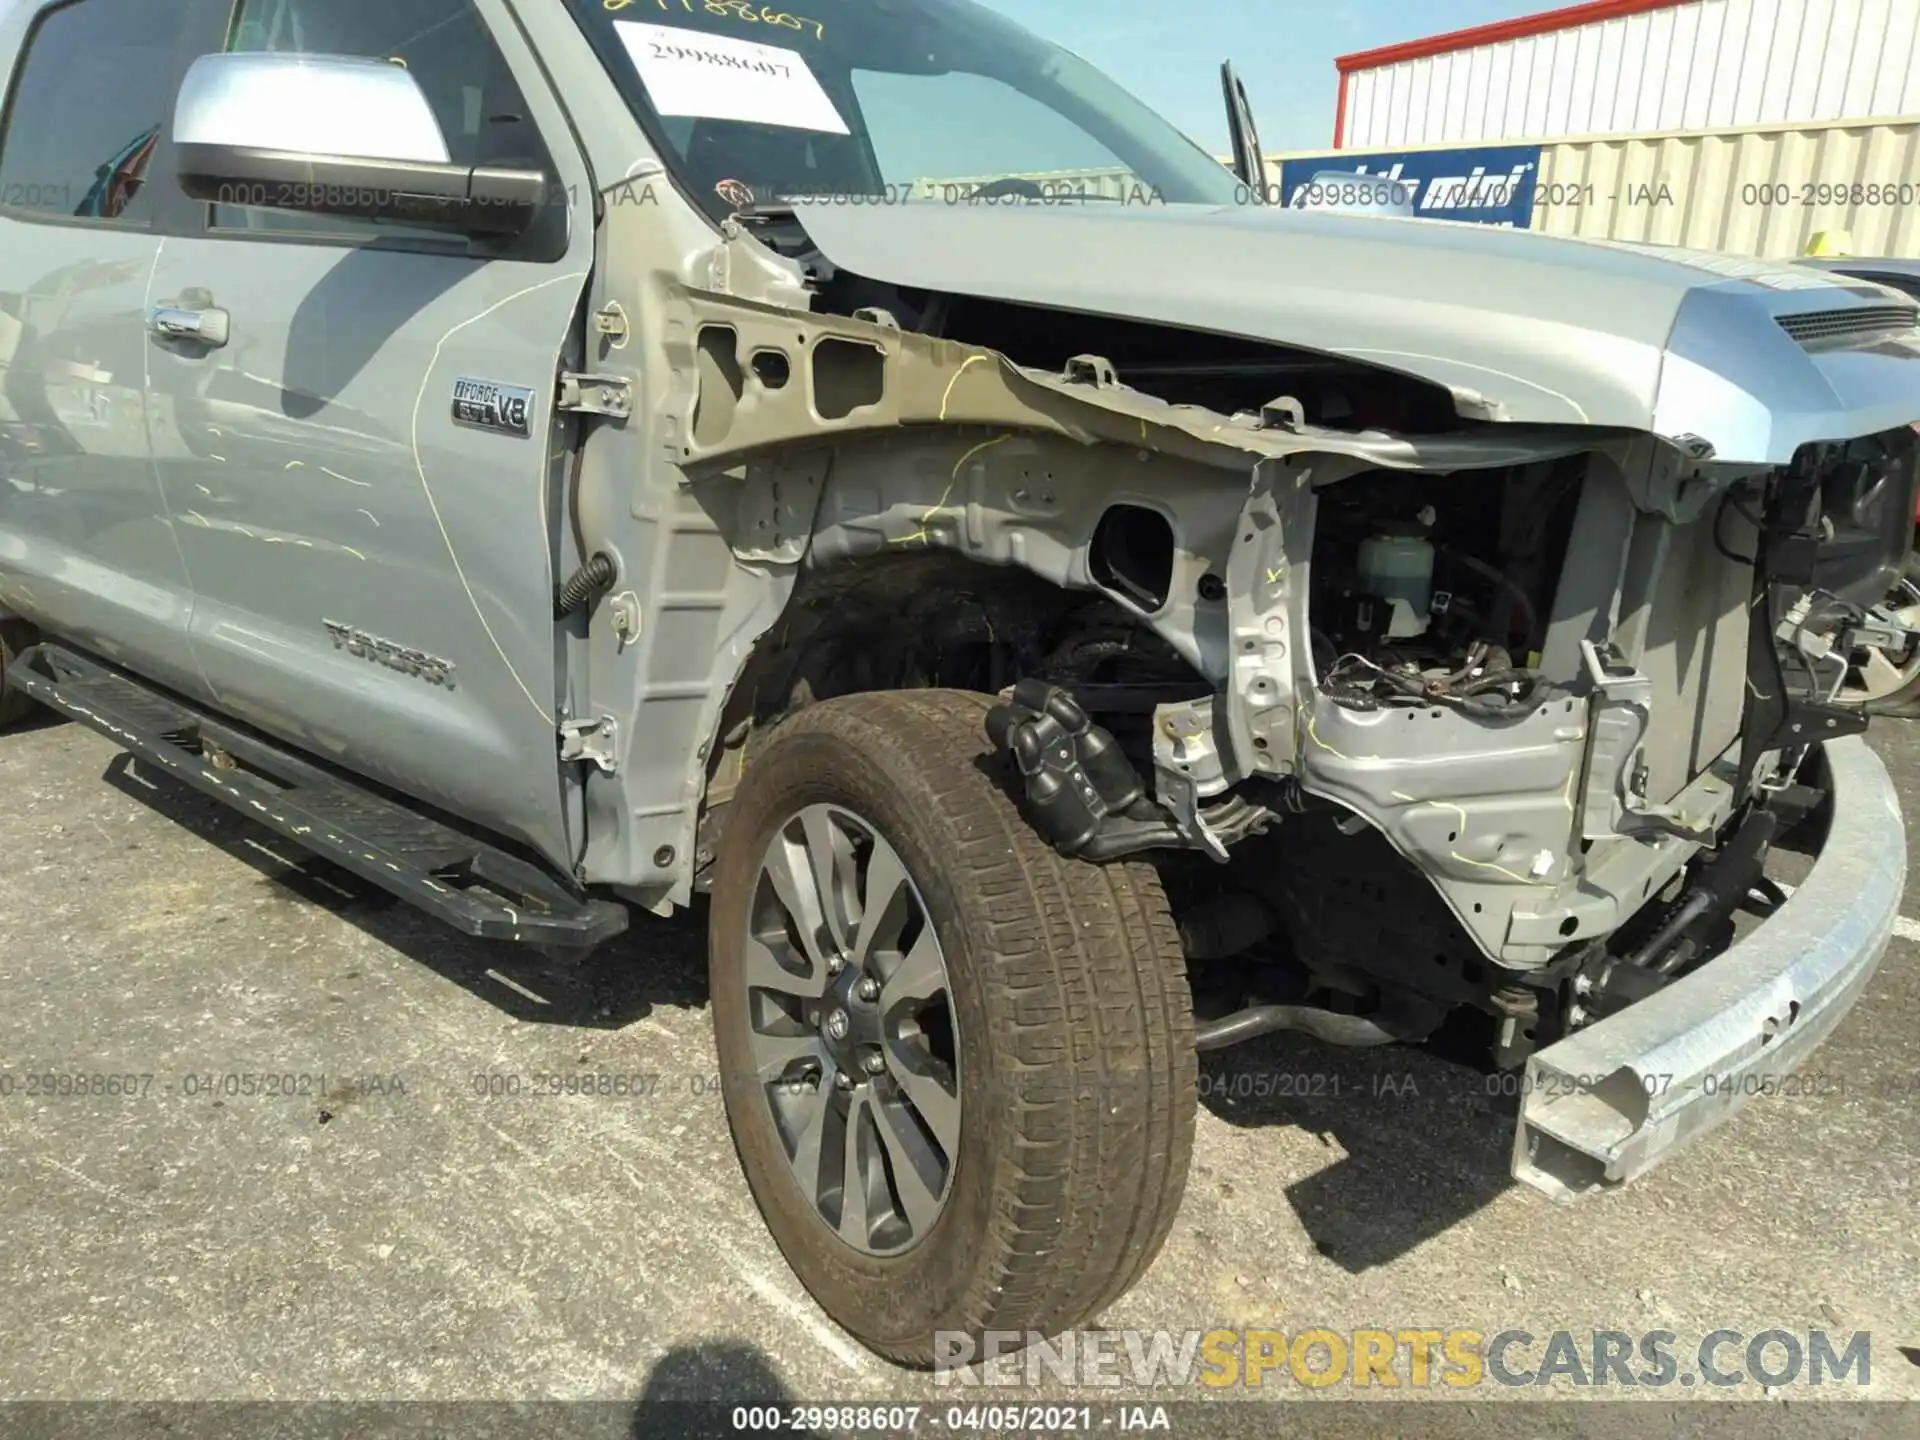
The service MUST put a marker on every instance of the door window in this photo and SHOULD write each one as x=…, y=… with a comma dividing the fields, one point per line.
x=92, y=90
x=444, y=45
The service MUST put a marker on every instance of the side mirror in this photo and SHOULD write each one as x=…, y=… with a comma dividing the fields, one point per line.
x=331, y=135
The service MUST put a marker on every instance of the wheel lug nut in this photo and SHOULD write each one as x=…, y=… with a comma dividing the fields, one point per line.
x=869, y=989
x=875, y=1063
x=842, y=1080
x=835, y=965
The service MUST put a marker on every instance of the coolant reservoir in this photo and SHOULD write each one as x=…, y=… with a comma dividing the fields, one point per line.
x=1398, y=567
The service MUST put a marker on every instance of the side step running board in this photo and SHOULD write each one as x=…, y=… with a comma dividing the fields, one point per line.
x=473, y=886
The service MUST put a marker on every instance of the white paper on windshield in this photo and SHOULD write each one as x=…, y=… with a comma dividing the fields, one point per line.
x=716, y=77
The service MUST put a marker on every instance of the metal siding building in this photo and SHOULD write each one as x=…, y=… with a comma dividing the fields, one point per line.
x=1636, y=66
x=1764, y=190
x=1761, y=190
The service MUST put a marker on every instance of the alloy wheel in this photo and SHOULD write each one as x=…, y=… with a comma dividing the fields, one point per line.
x=851, y=1030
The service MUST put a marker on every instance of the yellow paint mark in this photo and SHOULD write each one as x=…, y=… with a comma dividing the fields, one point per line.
x=1314, y=735
x=1467, y=860
x=295, y=465
x=1461, y=833
x=964, y=366
x=338, y=476
x=922, y=533
x=1489, y=865
x=1273, y=577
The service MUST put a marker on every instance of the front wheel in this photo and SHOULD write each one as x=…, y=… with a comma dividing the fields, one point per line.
x=958, y=1066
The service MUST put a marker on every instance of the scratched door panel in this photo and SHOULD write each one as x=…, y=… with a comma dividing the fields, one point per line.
x=374, y=581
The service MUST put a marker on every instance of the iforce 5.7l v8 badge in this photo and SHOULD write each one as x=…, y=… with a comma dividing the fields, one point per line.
x=488, y=406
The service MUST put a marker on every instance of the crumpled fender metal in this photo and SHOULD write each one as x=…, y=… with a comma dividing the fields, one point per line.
x=921, y=380
x=893, y=478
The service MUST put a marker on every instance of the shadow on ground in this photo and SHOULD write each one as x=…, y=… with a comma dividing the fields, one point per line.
x=1427, y=1139
x=694, y=1389
x=35, y=720
x=655, y=963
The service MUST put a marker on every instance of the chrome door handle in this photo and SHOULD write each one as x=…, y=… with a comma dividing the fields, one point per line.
x=209, y=327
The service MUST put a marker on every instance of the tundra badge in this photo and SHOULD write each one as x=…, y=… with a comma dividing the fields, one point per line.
x=490, y=406
x=408, y=661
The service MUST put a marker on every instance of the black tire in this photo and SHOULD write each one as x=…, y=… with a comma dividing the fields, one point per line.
x=1074, y=1025
x=15, y=636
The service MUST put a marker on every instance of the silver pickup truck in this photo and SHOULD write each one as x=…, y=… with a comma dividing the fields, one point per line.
x=555, y=459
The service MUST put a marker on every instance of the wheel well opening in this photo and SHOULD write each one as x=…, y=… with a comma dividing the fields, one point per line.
x=937, y=621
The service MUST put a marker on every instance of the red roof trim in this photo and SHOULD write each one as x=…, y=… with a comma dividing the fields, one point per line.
x=1541, y=24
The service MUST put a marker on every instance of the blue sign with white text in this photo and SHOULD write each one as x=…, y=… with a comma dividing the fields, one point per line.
x=1488, y=184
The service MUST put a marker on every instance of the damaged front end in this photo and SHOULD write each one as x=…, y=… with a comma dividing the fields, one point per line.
x=1428, y=700
x=1598, y=819
x=1521, y=738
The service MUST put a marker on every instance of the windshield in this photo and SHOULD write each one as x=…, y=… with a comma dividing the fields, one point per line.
x=892, y=99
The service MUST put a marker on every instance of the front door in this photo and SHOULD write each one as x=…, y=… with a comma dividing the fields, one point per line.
x=374, y=581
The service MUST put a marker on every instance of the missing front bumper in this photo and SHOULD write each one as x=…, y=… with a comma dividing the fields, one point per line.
x=1613, y=1101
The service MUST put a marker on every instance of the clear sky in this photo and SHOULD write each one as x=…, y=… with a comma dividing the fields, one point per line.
x=1168, y=52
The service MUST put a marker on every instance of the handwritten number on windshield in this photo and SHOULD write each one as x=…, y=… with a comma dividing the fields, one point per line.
x=742, y=10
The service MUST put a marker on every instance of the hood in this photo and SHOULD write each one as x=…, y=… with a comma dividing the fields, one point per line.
x=1520, y=327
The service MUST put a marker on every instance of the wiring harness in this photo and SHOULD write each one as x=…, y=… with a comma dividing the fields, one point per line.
x=1489, y=685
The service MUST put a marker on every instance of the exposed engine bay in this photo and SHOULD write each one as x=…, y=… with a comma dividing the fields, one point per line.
x=1512, y=737
x=1432, y=589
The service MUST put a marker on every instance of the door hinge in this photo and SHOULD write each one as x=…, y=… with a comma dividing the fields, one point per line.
x=595, y=742
x=609, y=395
